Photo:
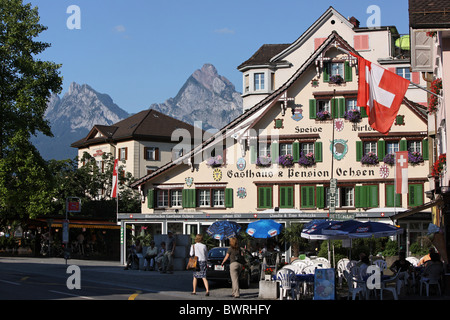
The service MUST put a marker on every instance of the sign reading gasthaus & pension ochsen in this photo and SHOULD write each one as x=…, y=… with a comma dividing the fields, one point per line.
x=293, y=173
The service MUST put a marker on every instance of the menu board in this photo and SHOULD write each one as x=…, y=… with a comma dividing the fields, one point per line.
x=324, y=284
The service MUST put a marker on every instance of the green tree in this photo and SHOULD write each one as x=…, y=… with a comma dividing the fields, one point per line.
x=26, y=84
x=292, y=235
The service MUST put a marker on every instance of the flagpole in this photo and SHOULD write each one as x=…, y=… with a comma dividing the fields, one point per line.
x=412, y=83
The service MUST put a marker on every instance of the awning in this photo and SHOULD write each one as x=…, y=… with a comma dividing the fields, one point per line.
x=88, y=224
x=417, y=209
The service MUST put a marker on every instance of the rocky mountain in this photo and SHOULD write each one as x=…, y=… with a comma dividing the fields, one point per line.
x=72, y=117
x=206, y=96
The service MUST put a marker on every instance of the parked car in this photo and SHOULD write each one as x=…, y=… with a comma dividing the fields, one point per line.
x=251, y=271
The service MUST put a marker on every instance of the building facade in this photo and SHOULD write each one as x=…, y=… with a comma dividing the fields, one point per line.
x=305, y=151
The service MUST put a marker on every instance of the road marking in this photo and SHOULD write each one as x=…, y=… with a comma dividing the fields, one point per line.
x=10, y=282
x=72, y=295
x=134, y=295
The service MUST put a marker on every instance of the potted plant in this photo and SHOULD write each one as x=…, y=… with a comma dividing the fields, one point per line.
x=370, y=158
x=213, y=162
x=336, y=79
x=286, y=161
x=415, y=157
x=436, y=87
x=353, y=115
x=389, y=159
x=264, y=161
x=268, y=272
x=306, y=160
x=323, y=115
x=439, y=165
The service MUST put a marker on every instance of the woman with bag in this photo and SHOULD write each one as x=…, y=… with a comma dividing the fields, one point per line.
x=236, y=263
x=201, y=252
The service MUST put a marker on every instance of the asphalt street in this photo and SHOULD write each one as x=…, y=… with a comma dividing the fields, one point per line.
x=24, y=278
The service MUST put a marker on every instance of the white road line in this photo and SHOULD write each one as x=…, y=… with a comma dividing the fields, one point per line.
x=72, y=295
x=10, y=282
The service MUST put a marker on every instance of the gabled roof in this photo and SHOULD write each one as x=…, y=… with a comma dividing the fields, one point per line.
x=424, y=14
x=331, y=40
x=264, y=54
x=145, y=125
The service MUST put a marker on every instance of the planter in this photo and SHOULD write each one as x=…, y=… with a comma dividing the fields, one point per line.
x=268, y=277
x=268, y=290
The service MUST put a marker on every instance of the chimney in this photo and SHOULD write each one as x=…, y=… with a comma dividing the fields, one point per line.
x=354, y=22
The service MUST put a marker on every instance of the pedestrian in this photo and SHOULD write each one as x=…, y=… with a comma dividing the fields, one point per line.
x=170, y=250
x=235, y=255
x=201, y=252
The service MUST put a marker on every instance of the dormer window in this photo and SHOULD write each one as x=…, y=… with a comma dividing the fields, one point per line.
x=259, y=81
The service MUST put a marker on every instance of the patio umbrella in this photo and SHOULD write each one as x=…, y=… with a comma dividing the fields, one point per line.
x=314, y=230
x=223, y=229
x=263, y=229
x=355, y=229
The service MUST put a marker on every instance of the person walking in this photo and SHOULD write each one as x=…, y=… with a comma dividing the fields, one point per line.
x=201, y=251
x=234, y=254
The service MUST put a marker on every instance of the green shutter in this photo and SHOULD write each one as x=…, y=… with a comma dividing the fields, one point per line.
x=348, y=72
x=334, y=108
x=296, y=151
x=372, y=196
x=363, y=112
x=274, y=152
x=228, y=198
x=359, y=150
x=415, y=195
x=261, y=197
x=326, y=75
x=341, y=107
x=403, y=145
x=399, y=120
x=286, y=197
x=308, y=197
x=150, y=198
x=381, y=149
x=358, y=193
x=425, y=149
x=390, y=193
x=268, y=197
x=312, y=109
x=318, y=151
x=184, y=197
x=188, y=198
x=264, y=197
x=253, y=154
x=278, y=123
x=320, y=197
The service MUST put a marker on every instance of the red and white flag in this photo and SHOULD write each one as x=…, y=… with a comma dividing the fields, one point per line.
x=381, y=92
x=401, y=172
x=114, y=181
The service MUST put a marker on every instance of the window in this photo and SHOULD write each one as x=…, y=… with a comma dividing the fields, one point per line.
x=350, y=104
x=285, y=149
x=347, y=199
x=327, y=198
x=287, y=197
x=337, y=68
x=307, y=147
x=390, y=194
x=246, y=83
x=370, y=146
x=219, y=198
x=361, y=42
x=259, y=81
x=176, y=198
x=264, y=150
x=123, y=153
x=323, y=105
x=151, y=153
x=204, y=198
x=162, y=198
x=264, y=197
x=404, y=72
x=308, y=197
x=415, y=146
x=392, y=147
x=100, y=165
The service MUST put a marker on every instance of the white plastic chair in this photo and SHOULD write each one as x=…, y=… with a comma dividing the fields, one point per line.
x=413, y=260
x=353, y=287
x=384, y=287
x=429, y=281
x=381, y=264
x=287, y=283
x=342, y=265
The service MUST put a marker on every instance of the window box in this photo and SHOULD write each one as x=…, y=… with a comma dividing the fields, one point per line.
x=213, y=162
x=307, y=160
x=264, y=161
x=370, y=159
x=415, y=157
x=439, y=165
x=323, y=115
x=389, y=159
x=353, y=115
x=336, y=79
x=286, y=161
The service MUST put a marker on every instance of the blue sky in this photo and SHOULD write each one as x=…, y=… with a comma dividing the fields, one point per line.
x=142, y=51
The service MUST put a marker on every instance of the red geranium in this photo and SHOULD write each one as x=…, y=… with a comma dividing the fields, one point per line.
x=436, y=87
x=439, y=165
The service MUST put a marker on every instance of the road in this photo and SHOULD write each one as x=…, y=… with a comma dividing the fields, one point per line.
x=51, y=279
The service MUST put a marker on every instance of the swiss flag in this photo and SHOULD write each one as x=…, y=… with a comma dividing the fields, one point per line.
x=114, y=182
x=381, y=92
x=401, y=172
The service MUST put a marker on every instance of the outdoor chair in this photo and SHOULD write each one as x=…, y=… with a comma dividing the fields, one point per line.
x=353, y=288
x=288, y=285
x=430, y=281
x=381, y=264
x=342, y=265
x=413, y=260
x=384, y=286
